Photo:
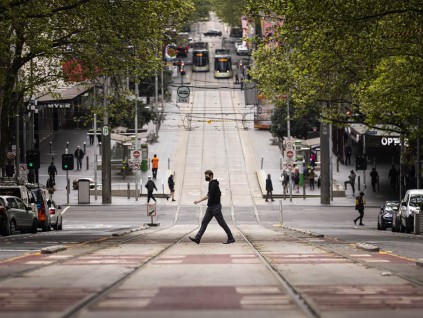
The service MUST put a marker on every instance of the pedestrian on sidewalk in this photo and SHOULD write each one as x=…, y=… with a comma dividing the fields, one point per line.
x=150, y=185
x=311, y=176
x=374, y=176
x=52, y=171
x=171, y=185
x=50, y=185
x=285, y=180
x=347, y=152
x=359, y=206
x=79, y=154
x=214, y=209
x=393, y=177
x=269, y=188
x=155, y=166
x=10, y=169
x=351, y=181
x=296, y=179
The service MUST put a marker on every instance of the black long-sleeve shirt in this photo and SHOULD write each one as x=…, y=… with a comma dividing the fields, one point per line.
x=213, y=194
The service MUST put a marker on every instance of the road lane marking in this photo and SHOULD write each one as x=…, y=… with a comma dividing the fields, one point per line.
x=65, y=209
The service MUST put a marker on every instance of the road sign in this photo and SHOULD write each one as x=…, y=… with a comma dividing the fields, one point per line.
x=106, y=130
x=183, y=92
x=22, y=167
x=136, y=165
x=290, y=165
x=151, y=210
x=182, y=100
x=136, y=154
x=289, y=145
x=290, y=154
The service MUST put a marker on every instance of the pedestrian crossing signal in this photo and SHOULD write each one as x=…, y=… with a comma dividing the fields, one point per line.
x=67, y=161
x=33, y=159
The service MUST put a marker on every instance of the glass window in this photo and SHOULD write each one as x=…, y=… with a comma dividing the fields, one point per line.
x=21, y=204
x=416, y=200
x=12, y=203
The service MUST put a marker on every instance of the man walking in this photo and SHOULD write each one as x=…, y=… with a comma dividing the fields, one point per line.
x=155, y=166
x=52, y=171
x=10, y=169
x=374, y=176
x=269, y=188
x=214, y=209
x=171, y=184
x=359, y=206
x=347, y=151
x=50, y=185
x=393, y=176
x=351, y=181
x=79, y=154
x=150, y=185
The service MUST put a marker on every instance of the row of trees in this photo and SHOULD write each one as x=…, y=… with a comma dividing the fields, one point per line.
x=347, y=61
x=98, y=37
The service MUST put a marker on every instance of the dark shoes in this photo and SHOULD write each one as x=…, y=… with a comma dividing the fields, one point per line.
x=167, y=198
x=195, y=240
x=361, y=224
x=355, y=222
x=173, y=200
x=229, y=241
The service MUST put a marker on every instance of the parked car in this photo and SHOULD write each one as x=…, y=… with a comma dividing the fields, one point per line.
x=386, y=214
x=213, y=33
x=410, y=205
x=55, y=212
x=75, y=182
x=20, y=192
x=15, y=215
x=40, y=196
x=242, y=50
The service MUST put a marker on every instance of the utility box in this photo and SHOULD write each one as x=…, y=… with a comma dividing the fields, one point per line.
x=83, y=191
x=144, y=157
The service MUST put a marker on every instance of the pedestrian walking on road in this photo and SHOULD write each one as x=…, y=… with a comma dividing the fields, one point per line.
x=52, y=171
x=79, y=154
x=393, y=177
x=351, y=181
x=50, y=185
x=311, y=176
x=150, y=185
x=347, y=152
x=155, y=166
x=359, y=206
x=269, y=188
x=374, y=176
x=214, y=209
x=171, y=185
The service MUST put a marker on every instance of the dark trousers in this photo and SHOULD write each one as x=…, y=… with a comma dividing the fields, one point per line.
x=78, y=163
x=311, y=184
x=360, y=217
x=210, y=213
x=150, y=196
x=347, y=160
x=352, y=185
x=154, y=173
x=271, y=195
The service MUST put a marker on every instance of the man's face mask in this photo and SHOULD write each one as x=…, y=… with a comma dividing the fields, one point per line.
x=208, y=178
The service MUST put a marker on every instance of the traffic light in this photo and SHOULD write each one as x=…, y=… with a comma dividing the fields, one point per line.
x=361, y=163
x=33, y=159
x=67, y=161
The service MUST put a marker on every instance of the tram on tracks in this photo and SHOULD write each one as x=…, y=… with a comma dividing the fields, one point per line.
x=200, y=60
x=222, y=64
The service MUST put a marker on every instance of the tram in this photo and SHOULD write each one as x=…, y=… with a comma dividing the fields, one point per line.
x=200, y=60
x=222, y=64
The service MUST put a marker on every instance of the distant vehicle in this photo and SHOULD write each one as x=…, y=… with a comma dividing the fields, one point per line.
x=40, y=196
x=410, y=205
x=200, y=60
x=55, y=212
x=222, y=65
x=242, y=50
x=15, y=215
x=386, y=214
x=182, y=51
x=235, y=32
x=75, y=183
x=213, y=33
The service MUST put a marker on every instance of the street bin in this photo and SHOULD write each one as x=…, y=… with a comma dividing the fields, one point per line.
x=83, y=191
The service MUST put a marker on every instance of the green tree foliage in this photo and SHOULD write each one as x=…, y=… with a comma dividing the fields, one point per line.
x=230, y=12
x=104, y=37
x=333, y=56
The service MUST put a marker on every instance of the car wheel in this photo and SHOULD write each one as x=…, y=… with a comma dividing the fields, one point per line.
x=54, y=226
x=34, y=227
x=59, y=227
x=12, y=227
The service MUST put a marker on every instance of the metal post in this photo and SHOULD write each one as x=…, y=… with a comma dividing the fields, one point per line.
x=330, y=163
x=85, y=147
x=163, y=187
x=106, y=188
x=288, y=120
x=136, y=136
x=51, y=143
x=261, y=163
x=280, y=162
x=358, y=183
x=337, y=164
x=364, y=155
x=95, y=148
x=88, y=163
x=18, y=159
x=168, y=163
x=67, y=187
x=67, y=145
x=290, y=186
x=129, y=191
x=99, y=144
x=324, y=164
x=280, y=212
x=418, y=156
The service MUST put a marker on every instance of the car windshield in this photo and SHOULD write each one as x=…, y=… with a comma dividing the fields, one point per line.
x=392, y=205
x=416, y=200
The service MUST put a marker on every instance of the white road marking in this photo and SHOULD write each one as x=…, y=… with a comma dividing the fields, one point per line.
x=65, y=209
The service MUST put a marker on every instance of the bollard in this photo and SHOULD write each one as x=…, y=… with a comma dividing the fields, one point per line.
x=337, y=164
x=67, y=144
x=129, y=191
x=280, y=212
x=168, y=163
x=416, y=224
x=304, y=191
x=358, y=178
x=163, y=187
x=262, y=163
x=50, y=146
x=99, y=144
x=88, y=163
x=85, y=147
x=280, y=162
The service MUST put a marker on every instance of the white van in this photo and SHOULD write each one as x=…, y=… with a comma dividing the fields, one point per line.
x=21, y=192
x=410, y=205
